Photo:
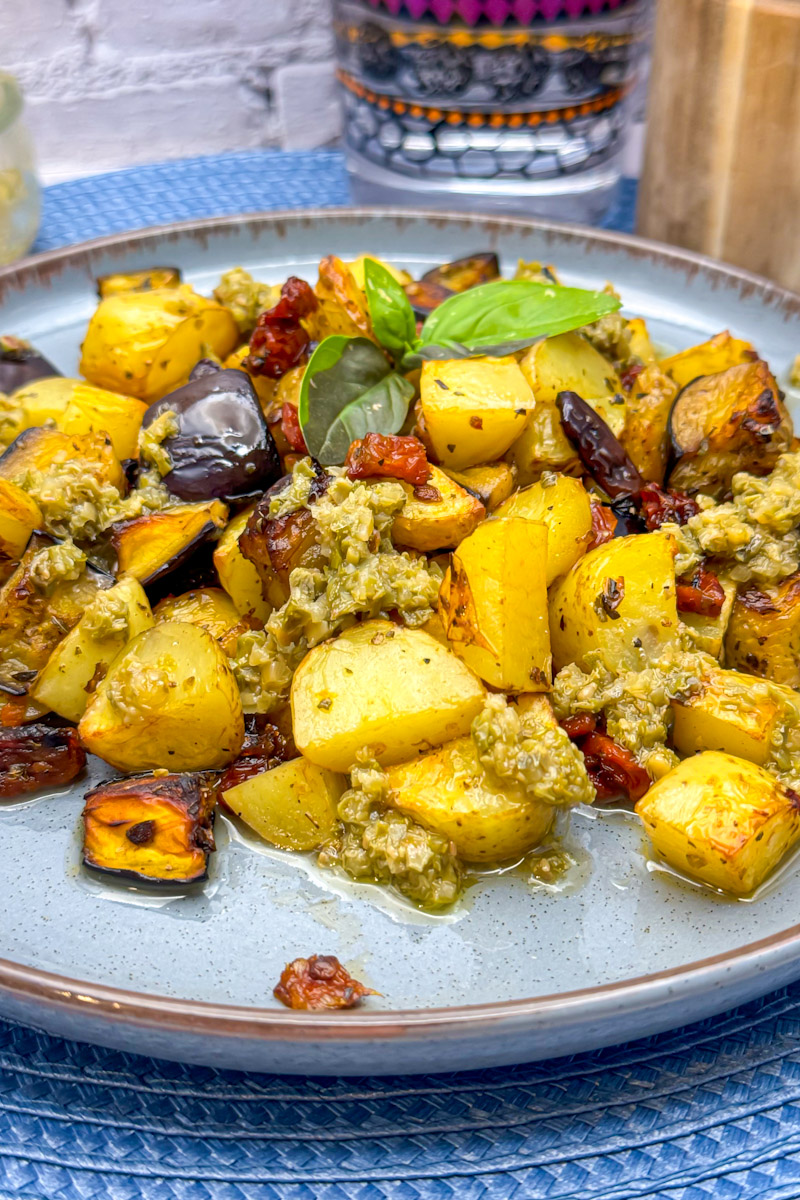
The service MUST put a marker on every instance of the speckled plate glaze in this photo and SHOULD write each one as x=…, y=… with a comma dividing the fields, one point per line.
x=624, y=950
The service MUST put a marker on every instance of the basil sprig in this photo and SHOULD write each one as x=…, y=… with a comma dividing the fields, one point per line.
x=390, y=313
x=348, y=390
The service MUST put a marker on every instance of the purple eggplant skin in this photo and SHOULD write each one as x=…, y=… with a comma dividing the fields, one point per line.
x=223, y=449
x=599, y=450
x=204, y=366
x=20, y=364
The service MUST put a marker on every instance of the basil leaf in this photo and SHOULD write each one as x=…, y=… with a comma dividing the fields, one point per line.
x=509, y=311
x=381, y=409
x=415, y=357
x=348, y=385
x=390, y=312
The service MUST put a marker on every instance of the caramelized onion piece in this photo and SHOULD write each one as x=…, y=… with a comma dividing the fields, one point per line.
x=319, y=982
x=38, y=756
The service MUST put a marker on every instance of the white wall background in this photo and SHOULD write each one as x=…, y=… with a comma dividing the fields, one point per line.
x=109, y=83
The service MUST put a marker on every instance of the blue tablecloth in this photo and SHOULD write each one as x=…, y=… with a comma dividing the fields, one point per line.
x=712, y=1111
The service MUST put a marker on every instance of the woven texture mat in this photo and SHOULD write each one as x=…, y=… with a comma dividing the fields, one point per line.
x=712, y=1111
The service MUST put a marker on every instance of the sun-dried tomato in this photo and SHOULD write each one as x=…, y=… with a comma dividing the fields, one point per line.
x=279, y=341
x=37, y=756
x=630, y=374
x=290, y=424
x=604, y=522
x=665, y=504
x=702, y=594
x=612, y=769
x=381, y=454
x=319, y=982
x=264, y=747
x=579, y=726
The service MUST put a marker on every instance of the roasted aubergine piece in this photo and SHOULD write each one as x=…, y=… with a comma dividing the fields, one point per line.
x=152, y=828
x=38, y=756
x=154, y=545
x=21, y=364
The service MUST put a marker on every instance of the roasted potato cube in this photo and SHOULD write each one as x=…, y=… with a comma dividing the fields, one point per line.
x=46, y=449
x=721, y=424
x=209, y=608
x=562, y=504
x=38, y=607
x=733, y=712
x=473, y=408
x=156, y=829
x=394, y=690
x=569, y=362
x=640, y=343
x=448, y=790
x=19, y=516
x=153, y=279
x=82, y=659
x=292, y=806
x=42, y=401
x=763, y=634
x=144, y=344
x=168, y=700
x=237, y=574
x=543, y=445
x=151, y=546
x=722, y=820
x=491, y=483
x=646, y=432
x=95, y=410
x=709, y=632
x=619, y=599
x=494, y=605
x=437, y=524
x=33, y=757
x=708, y=358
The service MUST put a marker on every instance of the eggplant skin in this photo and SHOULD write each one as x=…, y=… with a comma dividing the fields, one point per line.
x=151, y=828
x=20, y=364
x=33, y=757
x=223, y=449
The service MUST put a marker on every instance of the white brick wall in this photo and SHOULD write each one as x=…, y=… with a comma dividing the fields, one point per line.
x=109, y=83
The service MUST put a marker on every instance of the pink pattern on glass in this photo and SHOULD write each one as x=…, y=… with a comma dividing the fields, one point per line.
x=498, y=12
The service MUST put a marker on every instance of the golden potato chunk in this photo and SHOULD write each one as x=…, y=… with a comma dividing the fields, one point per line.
x=437, y=524
x=396, y=691
x=210, y=608
x=145, y=344
x=763, y=633
x=237, y=574
x=618, y=599
x=494, y=605
x=450, y=792
x=292, y=806
x=168, y=700
x=563, y=506
x=82, y=659
x=95, y=410
x=491, y=483
x=733, y=712
x=569, y=362
x=709, y=632
x=707, y=358
x=722, y=820
x=19, y=516
x=473, y=408
x=646, y=432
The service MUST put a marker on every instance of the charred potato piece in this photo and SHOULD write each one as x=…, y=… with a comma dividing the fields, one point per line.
x=395, y=690
x=237, y=574
x=722, y=820
x=154, y=829
x=646, y=432
x=721, y=424
x=149, y=280
x=36, y=612
x=292, y=806
x=708, y=358
x=47, y=449
x=82, y=659
x=491, y=483
x=618, y=599
x=144, y=344
x=473, y=408
x=20, y=364
x=19, y=516
x=563, y=506
x=168, y=700
x=37, y=756
x=151, y=546
x=493, y=603
x=763, y=634
x=223, y=448
x=438, y=521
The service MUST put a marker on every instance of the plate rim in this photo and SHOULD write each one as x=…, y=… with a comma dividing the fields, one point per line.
x=116, y=1005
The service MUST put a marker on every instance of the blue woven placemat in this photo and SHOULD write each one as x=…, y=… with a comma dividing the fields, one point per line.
x=710, y=1111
